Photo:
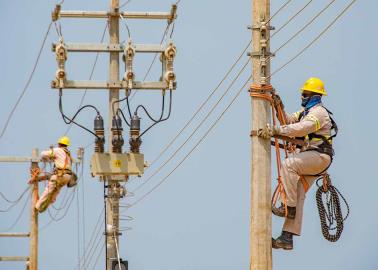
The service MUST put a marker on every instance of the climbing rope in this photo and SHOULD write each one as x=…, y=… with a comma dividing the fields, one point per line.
x=329, y=208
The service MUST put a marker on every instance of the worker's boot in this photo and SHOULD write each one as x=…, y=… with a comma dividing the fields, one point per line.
x=280, y=211
x=284, y=241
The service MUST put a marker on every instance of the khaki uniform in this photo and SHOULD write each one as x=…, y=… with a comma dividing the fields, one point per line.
x=62, y=160
x=307, y=163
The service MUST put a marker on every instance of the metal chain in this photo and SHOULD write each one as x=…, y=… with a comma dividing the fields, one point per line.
x=331, y=217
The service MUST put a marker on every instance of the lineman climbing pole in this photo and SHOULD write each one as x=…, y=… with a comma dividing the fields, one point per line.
x=261, y=218
x=114, y=166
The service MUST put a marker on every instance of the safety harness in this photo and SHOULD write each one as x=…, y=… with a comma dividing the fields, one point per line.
x=60, y=172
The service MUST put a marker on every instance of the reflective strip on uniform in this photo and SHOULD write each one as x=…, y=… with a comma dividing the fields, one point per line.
x=297, y=114
x=314, y=119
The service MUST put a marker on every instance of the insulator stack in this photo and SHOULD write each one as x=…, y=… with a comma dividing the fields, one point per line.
x=135, y=140
x=128, y=57
x=169, y=56
x=61, y=58
x=99, y=131
x=117, y=129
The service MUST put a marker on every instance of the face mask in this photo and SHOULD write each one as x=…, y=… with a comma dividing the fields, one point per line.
x=305, y=100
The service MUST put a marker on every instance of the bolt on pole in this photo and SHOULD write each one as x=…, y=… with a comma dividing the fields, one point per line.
x=260, y=219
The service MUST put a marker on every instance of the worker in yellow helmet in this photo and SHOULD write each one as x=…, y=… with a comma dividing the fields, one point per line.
x=313, y=124
x=61, y=176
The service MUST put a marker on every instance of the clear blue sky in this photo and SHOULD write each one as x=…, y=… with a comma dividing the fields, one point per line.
x=199, y=218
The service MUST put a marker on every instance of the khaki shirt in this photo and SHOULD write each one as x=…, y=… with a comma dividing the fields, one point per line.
x=60, y=157
x=317, y=121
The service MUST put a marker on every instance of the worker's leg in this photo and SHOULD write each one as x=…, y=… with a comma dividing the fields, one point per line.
x=304, y=163
x=61, y=181
x=45, y=199
x=294, y=226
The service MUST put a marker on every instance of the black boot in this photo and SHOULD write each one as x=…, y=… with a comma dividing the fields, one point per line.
x=280, y=211
x=285, y=241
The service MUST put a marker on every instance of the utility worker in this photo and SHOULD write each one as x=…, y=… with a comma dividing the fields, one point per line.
x=299, y=171
x=61, y=176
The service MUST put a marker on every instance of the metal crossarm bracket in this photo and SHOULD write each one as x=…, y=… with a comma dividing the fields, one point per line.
x=107, y=48
x=127, y=15
x=93, y=85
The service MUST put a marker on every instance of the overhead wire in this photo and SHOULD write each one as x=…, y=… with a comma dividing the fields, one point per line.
x=196, y=128
x=90, y=77
x=195, y=146
x=279, y=10
x=290, y=19
x=315, y=39
x=11, y=227
x=27, y=82
x=14, y=202
x=305, y=26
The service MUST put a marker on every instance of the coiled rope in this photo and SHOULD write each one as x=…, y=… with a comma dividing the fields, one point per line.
x=329, y=208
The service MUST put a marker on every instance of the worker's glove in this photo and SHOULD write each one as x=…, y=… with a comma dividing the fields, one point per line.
x=267, y=132
x=277, y=101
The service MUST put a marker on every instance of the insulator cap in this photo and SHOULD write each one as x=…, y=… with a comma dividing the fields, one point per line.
x=99, y=122
x=116, y=123
x=135, y=122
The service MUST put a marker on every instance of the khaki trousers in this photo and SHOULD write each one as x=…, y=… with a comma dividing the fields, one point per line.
x=51, y=191
x=307, y=164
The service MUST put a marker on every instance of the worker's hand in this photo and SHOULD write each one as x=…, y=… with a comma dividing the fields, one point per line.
x=267, y=132
x=277, y=101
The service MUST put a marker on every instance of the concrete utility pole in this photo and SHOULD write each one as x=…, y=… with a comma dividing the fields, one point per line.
x=32, y=260
x=115, y=166
x=261, y=218
x=112, y=200
x=34, y=217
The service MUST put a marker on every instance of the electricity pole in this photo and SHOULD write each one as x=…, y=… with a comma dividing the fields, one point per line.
x=115, y=166
x=261, y=218
x=112, y=200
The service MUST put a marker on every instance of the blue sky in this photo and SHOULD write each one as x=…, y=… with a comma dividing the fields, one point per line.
x=199, y=218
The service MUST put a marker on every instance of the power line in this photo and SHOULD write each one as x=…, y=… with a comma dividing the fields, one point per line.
x=196, y=129
x=19, y=215
x=195, y=146
x=279, y=10
x=90, y=77
x=290, y=19
x=314, y=40
x=27, y=82
x=203, y=103
x=305, y=26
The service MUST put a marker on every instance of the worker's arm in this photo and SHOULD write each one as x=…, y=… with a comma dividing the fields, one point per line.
x=309, y=124
x=48, y=154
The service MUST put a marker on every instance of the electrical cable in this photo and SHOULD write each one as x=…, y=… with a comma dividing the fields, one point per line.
x=203, y=103
x=290, y=19
x=98, y=256
x=193, y=148
x=315, y=39
x=305, y=26
x=279, y=10
x=20, y=214
x=90, y=77
x=94, y=237
x=27, y=82
x=124, y=4
x=14, y=201
x=147, y=113
x=161, y=120
x=195, y=130
x=68, y=120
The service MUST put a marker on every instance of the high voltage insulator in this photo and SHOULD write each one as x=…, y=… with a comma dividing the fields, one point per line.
x=117, y=129
x=169, y=55
x=99, y=131
x=61, y=58
x=135, y=140
x=128, y=57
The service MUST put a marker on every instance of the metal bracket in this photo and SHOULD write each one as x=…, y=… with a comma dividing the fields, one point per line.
x=259, y=27
x=255, y=54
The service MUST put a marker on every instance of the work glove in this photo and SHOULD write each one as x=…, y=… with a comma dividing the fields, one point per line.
x=277, y=101
x=267, y=132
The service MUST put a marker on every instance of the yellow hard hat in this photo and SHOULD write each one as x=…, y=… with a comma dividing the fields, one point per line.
x=64, y=140
x=315, y=85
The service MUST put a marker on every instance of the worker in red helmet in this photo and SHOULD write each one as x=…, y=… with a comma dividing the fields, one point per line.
x=61, y=176
x=314, y=125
